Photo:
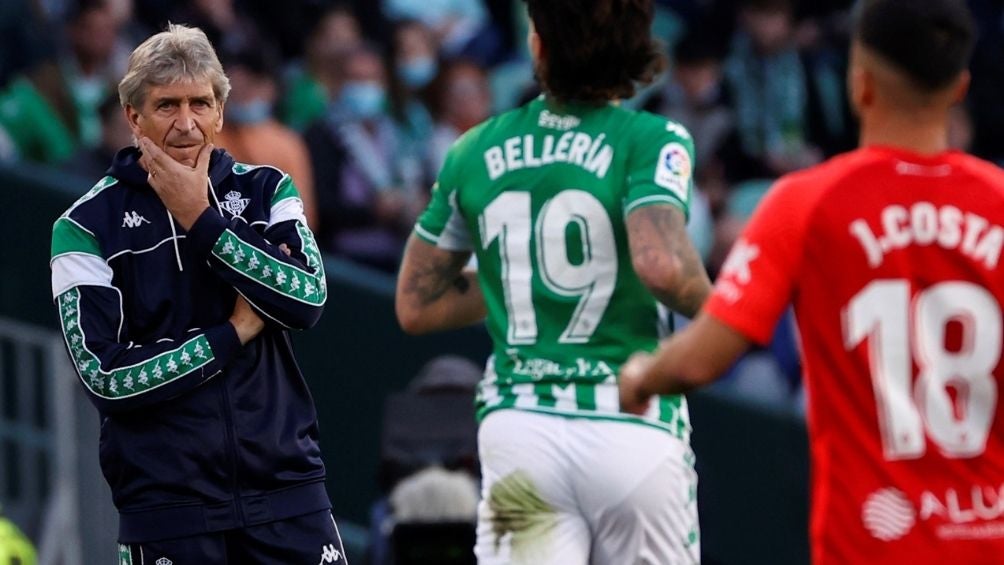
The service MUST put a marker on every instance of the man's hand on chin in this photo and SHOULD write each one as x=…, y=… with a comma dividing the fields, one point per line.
x=181, y=188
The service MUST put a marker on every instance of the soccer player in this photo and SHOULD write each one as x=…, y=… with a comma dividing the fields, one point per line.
x=575, y=209
x=891, y=255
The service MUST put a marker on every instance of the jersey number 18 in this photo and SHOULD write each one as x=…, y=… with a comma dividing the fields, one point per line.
x=958, y=423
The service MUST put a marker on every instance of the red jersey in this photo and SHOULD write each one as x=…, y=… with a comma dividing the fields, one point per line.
x=893, y=263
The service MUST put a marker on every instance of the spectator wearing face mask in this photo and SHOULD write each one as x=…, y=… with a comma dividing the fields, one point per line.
x=413, y=66
x=366, y=199
x=252, y=134
x=415, y=53
x=309, y=90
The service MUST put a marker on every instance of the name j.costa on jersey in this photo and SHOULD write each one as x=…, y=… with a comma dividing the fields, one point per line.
x=924, y=223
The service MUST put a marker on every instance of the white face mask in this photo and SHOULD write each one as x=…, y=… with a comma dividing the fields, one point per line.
x=363, y=99
x=418, y=72
x=248, y=113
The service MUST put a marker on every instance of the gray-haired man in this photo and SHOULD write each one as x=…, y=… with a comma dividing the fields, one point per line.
x=177, y=278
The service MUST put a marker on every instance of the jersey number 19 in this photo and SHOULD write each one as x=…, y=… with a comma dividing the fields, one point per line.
x=508, y=218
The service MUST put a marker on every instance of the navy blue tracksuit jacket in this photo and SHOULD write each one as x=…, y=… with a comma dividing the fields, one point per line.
x=198, y=434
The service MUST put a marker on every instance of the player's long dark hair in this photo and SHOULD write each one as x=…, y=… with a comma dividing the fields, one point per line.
x=595, y=50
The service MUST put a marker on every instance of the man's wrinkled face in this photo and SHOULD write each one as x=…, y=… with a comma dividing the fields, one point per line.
x=180, y=118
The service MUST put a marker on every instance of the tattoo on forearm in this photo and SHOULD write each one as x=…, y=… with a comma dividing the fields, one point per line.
x=694, y=289
x=433, y=276
x=692, y=286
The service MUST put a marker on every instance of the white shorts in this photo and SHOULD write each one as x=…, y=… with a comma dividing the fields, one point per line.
x=576, y=491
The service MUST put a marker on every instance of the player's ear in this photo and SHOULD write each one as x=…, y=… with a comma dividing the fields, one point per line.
x=868, y=88
x=855, y=79
x=218, y=126
x=533, y=41
x=132, y=118
x=860, y=88
x=961, y=86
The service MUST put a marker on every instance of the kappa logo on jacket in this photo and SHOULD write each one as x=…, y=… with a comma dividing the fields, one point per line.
x=133, y=220
x=329, y=554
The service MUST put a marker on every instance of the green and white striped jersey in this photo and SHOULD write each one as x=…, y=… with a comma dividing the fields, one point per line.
x=541, y=194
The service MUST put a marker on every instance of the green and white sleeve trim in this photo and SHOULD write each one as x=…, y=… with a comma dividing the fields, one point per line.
x=288, y=280
x=286, y=203
x=425, y=234
x=76, y=258
x=454, y=236
x=102, y=184
x=653, y=200
x=76, y=268
x=132, y=380
x=285, y=210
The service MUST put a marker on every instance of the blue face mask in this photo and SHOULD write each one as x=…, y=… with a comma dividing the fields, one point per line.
x=418, y=72
x=248, y=113
x=363, y=99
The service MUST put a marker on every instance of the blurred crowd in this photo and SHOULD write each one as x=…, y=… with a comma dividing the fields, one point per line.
x=360, y=100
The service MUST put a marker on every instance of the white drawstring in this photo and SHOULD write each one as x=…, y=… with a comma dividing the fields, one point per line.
x=174, y=231
x=212, y=190
x=174, y=238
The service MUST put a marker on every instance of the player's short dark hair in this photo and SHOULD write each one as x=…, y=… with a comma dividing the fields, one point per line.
x=928, y=40
x=595, y=50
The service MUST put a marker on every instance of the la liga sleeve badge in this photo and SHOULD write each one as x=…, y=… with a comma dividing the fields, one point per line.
x=674, y=170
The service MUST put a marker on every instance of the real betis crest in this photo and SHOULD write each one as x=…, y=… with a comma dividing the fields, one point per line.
x=234, y=203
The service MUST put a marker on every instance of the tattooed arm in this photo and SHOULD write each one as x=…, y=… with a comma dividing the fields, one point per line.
x=434, y=292
x=665, y=259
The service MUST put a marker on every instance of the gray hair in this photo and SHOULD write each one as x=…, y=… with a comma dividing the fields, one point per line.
x=435, y=495
x=177, y=54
